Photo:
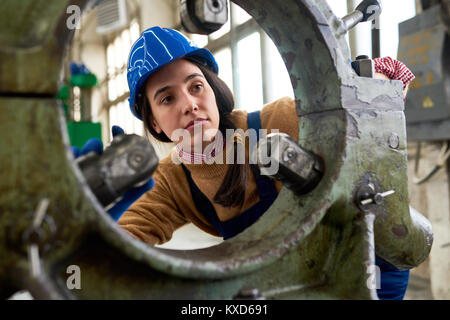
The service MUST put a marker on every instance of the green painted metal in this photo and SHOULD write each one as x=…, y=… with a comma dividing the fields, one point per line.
x=83, y=80
x=320, y=245
x=30, y=35
x=81, y=131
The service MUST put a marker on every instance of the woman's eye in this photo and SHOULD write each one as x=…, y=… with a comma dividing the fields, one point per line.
x=166, y=100
x=197, y=87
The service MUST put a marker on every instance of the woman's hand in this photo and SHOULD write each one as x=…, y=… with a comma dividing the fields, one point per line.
x=391, y=69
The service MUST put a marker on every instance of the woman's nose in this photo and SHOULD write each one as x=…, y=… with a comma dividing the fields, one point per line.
x=190, y=105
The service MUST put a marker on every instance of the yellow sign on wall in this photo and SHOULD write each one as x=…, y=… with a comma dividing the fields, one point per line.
x=427, y=102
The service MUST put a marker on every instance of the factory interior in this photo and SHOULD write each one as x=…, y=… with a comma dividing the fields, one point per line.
x=65, y=79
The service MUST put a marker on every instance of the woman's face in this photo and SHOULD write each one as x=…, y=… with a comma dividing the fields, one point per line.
x=181, y=98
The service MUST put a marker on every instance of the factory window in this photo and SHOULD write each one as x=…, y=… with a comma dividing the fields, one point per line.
x=394, y=12
x=117, y=57
x=249, y=62
x=280, y=84
x=223, y=58
x=250, y=74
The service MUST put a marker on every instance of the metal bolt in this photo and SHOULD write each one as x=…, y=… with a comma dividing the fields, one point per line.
x=136, y=159
x=33, y=235
x=215, y=5
x=377, y=198
x=289, y=155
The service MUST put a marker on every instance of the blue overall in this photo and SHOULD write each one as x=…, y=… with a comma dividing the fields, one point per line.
x=393, y=281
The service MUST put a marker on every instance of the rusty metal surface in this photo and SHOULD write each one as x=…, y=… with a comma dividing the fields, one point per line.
x=313, y=246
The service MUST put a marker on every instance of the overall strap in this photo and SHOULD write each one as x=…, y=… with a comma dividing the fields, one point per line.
x=202, y=203
x=266, y=186
x=254, y=122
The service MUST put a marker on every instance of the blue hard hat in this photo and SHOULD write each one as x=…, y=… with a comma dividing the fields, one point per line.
x=155, y=48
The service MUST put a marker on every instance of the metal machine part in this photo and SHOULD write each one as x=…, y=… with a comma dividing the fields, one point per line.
x=367, y=10
x=424, y=46
x=129, y=161
x=315, y=246
x=203, y=16
x=280, y=157
x=364, y=66
x=368, y=195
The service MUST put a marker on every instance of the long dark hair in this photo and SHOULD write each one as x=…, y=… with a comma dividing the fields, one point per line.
x=231, y=192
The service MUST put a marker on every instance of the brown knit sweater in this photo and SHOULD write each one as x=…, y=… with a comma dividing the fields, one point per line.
x=169, y=205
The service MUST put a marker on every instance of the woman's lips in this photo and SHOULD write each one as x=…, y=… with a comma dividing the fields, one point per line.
x=197, y=122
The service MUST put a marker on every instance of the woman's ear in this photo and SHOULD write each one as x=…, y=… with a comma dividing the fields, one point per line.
x=155, y=126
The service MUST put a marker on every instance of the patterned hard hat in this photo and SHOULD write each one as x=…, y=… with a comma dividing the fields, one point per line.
x=155, y=48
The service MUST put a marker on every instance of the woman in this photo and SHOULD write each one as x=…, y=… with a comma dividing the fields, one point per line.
x=175, y=90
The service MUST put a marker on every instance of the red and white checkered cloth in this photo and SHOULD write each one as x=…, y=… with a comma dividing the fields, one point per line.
x=394, y=69
x=198, y=158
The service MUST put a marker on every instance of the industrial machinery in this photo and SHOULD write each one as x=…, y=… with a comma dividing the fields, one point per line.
x=317, y=245
x=424, y=45
x=204, y=16
x=128, y=162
